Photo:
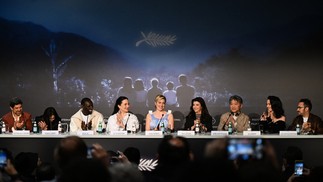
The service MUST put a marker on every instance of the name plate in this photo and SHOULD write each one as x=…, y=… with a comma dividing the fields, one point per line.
x=185, y=132
x=86, y=132
x=222, y=133
x=21, y=132
x=49, y=132
x=153, y=133
x=287, y=133
x=118, y=132
x=253, y=133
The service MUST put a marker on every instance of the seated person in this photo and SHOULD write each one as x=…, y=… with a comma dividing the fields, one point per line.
x=309, y=122
x=86, y=118
x=17, y=119
x=154, y=119
x=49, y=120
x=239, y=120
x=198, y=113
x=121, y=118
x=273, y=120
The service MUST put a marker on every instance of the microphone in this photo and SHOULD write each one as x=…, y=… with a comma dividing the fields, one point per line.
x=226, y=121
x=160, y=121
x=125, y=126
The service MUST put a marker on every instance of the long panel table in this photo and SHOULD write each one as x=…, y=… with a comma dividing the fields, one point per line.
x=311, y=145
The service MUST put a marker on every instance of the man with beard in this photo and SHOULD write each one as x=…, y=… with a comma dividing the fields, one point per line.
x=17, y=119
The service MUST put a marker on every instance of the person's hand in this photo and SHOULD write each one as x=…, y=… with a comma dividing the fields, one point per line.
x=306, y=172
x=83, y=125
x=263, y=117
x=89, y=125
x=19, y=124
x=306, y=127
x=123, y=158
x=10, y=168
x=98, y=152
x=42, y=125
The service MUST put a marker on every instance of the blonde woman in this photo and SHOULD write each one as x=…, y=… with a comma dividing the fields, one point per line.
x=160, y=115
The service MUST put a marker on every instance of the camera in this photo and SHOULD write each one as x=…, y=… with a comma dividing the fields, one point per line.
x=3, y=159
x=245, y=149
x=298, y=169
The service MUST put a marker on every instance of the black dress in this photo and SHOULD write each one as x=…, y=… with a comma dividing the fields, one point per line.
x=271, y=127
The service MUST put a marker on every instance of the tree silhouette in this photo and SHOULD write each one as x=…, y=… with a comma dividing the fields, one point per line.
x=52, y=53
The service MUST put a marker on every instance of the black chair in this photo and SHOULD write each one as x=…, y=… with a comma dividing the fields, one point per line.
x=179, y=120
x=254, y=121
x=216, y=121
x=142, y=121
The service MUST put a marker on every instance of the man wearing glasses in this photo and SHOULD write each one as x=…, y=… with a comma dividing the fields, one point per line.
x=310, y=124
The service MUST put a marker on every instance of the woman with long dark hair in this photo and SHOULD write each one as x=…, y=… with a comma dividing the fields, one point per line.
x=198, y=113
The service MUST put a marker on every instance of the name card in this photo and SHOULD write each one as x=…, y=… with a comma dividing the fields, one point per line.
x=118, y=132
x=153, y=132
x=86, y=132
x=287, y=133
x=49, y=132
x=185, y=132
x=21, y=132
x=222, y=133
x=253, y=133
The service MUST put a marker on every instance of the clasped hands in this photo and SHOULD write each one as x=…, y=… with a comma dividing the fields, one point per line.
x=19, y=125
x=87, y=126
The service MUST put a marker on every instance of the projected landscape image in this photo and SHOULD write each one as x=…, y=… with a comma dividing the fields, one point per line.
x=54, y=53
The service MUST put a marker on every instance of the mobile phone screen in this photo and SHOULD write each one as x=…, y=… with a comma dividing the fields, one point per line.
x=299, y=167
x=245, y=149
x=3, y=159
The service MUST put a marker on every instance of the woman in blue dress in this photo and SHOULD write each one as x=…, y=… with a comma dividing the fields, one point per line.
x=154, y=119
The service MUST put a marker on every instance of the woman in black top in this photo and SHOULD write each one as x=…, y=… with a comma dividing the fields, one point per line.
x=274, y=119
x=198, y=113
x=49, y=120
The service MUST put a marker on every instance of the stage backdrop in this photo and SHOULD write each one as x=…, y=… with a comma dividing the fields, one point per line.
x=54, y=53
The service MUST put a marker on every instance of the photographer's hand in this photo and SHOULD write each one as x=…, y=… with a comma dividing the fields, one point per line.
x=98, y=152
x=123, y=158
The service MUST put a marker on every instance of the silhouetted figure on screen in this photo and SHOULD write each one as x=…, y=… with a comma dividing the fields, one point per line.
x=184, y=92
x=127, y=89
x=141, y=94
x=170, y=95
x=152, y=92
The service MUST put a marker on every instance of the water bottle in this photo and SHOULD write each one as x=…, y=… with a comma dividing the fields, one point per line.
x=162, y=127
x=230, y=130
x=249, y=126
x=133, y=129
x=59, y=128
x=298, y=129
x=197, y=127
x=100, y=127
x=3, y=129
x=35, y=128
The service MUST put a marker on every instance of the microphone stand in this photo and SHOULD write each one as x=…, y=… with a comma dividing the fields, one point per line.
x=226, y=121
x=125, y=126
x=159, y=121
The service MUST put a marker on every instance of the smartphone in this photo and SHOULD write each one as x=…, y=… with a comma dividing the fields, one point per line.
x=245, y=149
x=89, y=152
x=3, y=159
x=299, y=165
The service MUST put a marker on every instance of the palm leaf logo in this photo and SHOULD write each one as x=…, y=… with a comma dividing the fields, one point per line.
x=147, y=164
x=154, y=39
